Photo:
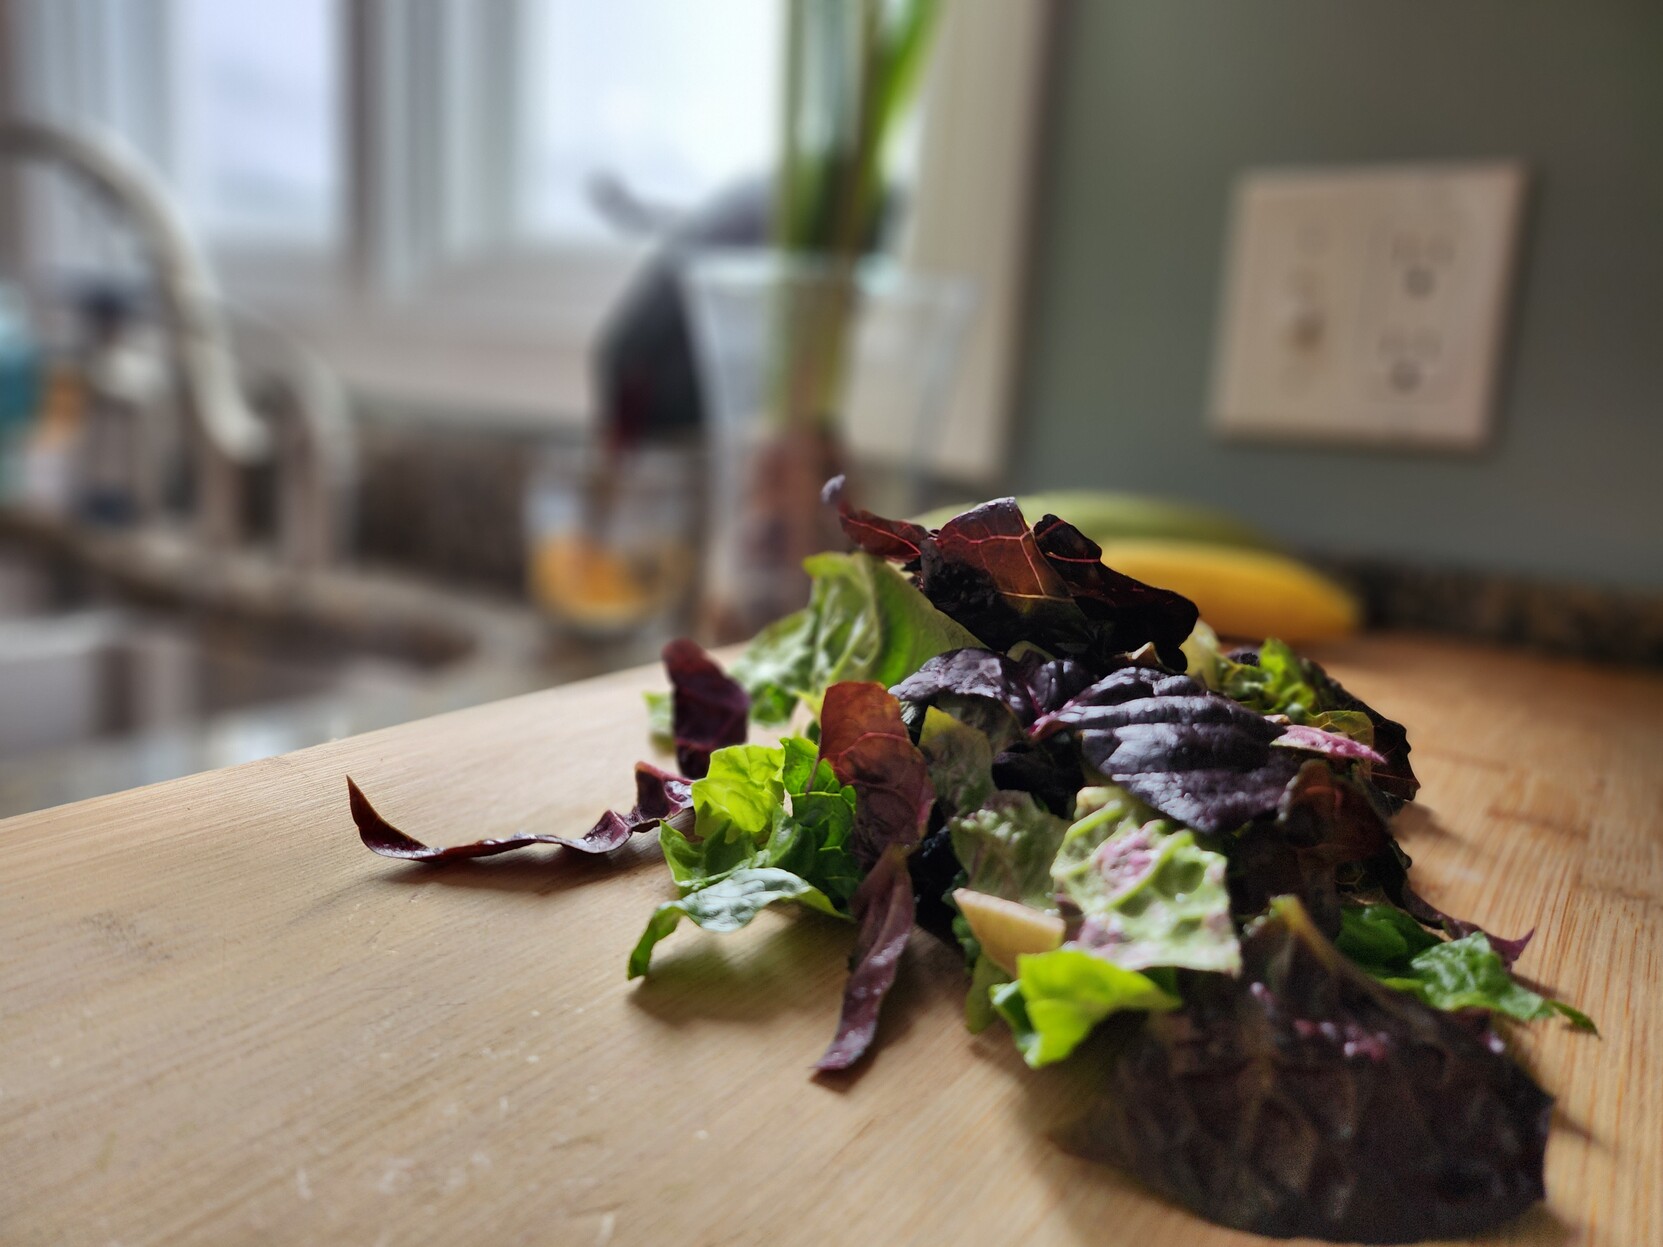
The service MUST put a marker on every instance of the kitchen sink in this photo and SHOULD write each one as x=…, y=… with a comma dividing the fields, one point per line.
x=133, y=656
x=128, y=657
x=98, y=673
x=88, y=656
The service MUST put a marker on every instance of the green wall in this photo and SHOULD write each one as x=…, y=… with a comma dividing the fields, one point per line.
x=1157, y=104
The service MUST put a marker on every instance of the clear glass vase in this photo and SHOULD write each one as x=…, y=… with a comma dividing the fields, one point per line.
x=809, y=368
x=611, y=548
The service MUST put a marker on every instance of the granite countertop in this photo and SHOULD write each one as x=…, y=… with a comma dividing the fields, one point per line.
x=1595, y=622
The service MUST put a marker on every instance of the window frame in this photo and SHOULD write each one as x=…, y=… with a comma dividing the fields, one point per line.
x=507, y=335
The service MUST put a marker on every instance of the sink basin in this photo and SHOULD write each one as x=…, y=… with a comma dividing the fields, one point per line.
x=30, y=586
x=132, y=656
x=88, y=656
x=98, y=673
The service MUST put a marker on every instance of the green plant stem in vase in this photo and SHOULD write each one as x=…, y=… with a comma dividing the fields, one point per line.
x=852, y=70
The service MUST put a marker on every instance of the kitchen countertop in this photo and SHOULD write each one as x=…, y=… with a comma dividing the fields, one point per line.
x=223, y=1020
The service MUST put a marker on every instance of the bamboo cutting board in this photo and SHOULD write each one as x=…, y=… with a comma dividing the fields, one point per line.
x=223, y=1021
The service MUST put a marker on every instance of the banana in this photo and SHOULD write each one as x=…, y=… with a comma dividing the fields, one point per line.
x=1106, y=517
x=1242, y=593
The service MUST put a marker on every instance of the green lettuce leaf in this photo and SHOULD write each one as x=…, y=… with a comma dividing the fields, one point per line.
x=762, y=806
x=1280, y=683
x=1151, y=895
x=727, y=905
x=1469, y=974
x=1057, y=997
x=741, y=793
x=864, y=621
x=960, y=762
x=735, y=807
x=813, y=837
x=1381, y=936
x=1006, y=848
x=660, y=719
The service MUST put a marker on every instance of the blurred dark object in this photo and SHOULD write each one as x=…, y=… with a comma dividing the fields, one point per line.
x=645, y=378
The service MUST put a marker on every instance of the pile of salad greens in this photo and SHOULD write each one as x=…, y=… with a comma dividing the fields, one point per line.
x=1170, y=861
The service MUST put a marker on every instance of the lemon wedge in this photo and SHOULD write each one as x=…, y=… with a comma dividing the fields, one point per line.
x=1006, y=929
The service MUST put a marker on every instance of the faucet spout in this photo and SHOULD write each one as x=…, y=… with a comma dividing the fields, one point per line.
x=228, y=433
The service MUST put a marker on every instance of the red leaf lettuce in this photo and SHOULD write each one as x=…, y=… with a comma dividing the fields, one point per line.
x=1008, y=583
x=659, y=795
x=708, y=710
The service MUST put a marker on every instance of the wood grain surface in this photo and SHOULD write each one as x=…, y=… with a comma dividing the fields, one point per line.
x=223, y=1021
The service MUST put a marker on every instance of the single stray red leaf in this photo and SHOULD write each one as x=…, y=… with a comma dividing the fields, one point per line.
x=658, y=795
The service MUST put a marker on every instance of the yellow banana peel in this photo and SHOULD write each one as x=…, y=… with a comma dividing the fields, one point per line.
x=1106, y=516
x=1242, y=592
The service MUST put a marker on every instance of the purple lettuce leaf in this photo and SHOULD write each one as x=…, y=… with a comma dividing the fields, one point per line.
x=883, y=913
x=1133, y=613
x=1001, y=697
x=1303, y=1098
x=659, y=795
x=1323, y=821
x=708, y=709
x=972, y=673
x=900, y=541
x=1429, y=915
x=985, y=569
x=1008, y=582
x=934, y=869
x=1047, y=770
x=1027, y=687
x=1193, y=755
x=1392, y=775
x=868, y=746
x=1211, y=799
x=1052, y=682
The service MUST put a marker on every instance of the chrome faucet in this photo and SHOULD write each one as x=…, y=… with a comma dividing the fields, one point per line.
x=226, y=434
x=313, y=447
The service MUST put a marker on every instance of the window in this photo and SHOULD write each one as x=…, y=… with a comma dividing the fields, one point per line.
x=438, y=194
x=255, y=116
x=684, y=102
x=234, y=106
